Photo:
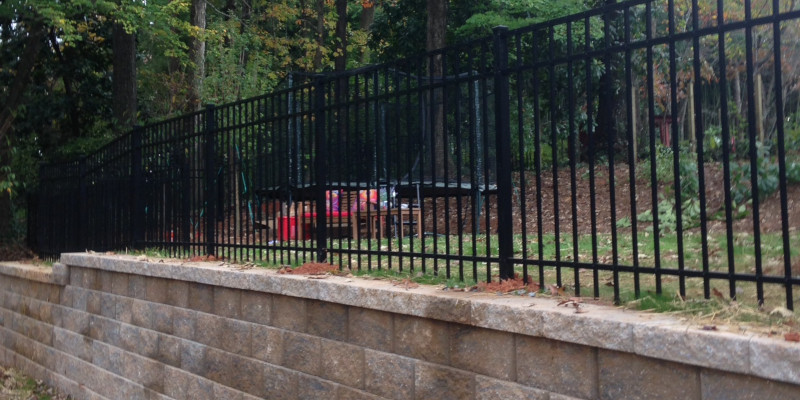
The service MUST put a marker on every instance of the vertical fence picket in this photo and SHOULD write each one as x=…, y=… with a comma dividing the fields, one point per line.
x=781, y=138
x=137, y=189
x=321, y=166
x=752, y=135
x=505, y=233
x=83, y=212
x=210, y=194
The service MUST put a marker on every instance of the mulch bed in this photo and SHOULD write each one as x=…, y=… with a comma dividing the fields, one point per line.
x=310, y=269
x=449, y=219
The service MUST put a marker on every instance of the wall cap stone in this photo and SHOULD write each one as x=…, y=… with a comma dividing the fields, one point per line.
x=657, y=336
x=36, y=273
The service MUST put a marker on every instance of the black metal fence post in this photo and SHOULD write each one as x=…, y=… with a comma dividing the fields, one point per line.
x=137, y=187
x=32, y=226
x=83, y=213
x=210, y=177
x=320, y=167
x=505, y=233
x=44, y=238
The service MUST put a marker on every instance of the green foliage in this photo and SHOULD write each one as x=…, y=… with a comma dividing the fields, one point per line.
x=513, y=14
x=12, y=186
x=689, y=189
x=768, y=175
x=400, y=27
x=399, y=30
x=768, y=179
x=792, y=131
x=687, y=170
x=793, y=171
x=712, y=143
x=8, y=180
x=663, y=163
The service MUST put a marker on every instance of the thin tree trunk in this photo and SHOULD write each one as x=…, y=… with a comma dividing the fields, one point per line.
x=737, y=94
x=340, y=62
x=74, y=115
x=246, y=13
x=197, y=56
x=435, y=39
x=124, y=78
x=320, y=34
x=365, y=24
x=608, y=101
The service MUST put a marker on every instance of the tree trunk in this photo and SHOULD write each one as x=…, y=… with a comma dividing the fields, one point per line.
x=435, y=39
x=244, y=56
x=245, y=15
x=367, y=15
x=607, y=103
x=74, y=114
x=197, y=56
x=365, y=23
x=340, y=62
x=124, y=78
x=22, y=76
x=320, y=34
x=436, y=25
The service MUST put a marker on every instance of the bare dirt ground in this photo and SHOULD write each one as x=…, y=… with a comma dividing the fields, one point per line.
x=15, y=252
x=586, y=207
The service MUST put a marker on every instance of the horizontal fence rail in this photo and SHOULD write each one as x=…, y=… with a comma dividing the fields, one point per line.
x=646, y=147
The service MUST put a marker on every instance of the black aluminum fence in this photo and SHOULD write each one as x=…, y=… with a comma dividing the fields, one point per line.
x=647, y=146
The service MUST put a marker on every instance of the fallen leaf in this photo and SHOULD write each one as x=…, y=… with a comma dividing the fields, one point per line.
x=572, y=301
x=556, y=291
x=285, y=270
x=717, y=293
x=406, y=284
x=709, y=328
x=792, y=337
x=782, y=311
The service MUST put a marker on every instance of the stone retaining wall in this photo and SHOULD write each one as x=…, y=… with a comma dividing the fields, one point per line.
x=100, y=327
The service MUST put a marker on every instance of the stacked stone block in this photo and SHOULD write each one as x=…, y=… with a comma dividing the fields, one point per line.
x=102, y=332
